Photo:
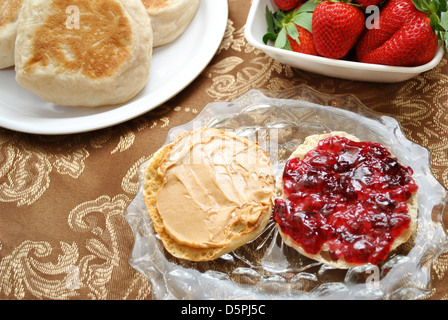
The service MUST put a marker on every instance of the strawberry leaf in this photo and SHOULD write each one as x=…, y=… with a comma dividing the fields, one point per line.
x=270, y=20
x=304, y=20
x=279, y=18
x=293, y=32
x=308, y=6
x=282, y=40
x=443, y=6
x=431, y=6
x=444, y=21
x=284, y=23
x=441, y=29
x=270, y=36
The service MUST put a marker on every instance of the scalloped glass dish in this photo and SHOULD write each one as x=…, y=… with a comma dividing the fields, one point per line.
x=256, y=27
x=265, y=268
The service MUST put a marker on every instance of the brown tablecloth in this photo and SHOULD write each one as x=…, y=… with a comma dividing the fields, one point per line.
x=63, y=198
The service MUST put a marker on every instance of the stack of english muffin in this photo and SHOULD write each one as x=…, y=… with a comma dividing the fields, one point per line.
x=87, y=53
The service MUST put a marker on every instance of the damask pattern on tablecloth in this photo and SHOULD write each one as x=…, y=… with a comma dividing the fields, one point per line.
x=89, y=259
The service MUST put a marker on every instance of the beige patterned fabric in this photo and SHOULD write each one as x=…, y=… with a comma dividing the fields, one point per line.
x=63, y=198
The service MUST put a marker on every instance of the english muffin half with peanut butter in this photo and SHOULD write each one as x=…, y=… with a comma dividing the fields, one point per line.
x=346, y=202
x=9, y=11
x=83, y=52
x=170, y=18
x=208, y=193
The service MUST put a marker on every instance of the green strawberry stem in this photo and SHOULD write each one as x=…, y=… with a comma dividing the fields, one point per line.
x=281, y=24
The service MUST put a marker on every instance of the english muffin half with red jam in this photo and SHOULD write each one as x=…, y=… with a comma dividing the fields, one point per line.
x=346, y=202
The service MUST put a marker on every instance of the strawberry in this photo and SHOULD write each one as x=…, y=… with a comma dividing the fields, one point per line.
x=408, y=34
x=287, y=5
x=336, y=26
x=366, y=3
x=292, y=30
x=305, y=43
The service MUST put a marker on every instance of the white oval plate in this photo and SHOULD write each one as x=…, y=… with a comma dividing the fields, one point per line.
x=174, y=67
x=256, y=27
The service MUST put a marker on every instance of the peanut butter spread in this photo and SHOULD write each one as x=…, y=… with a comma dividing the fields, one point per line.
x=9, y=10
x=215, y=185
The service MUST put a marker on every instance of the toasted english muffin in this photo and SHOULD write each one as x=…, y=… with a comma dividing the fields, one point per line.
x=9, y=11
x=83, y=53
x=324, y=256
x=208, y=193
x=170, y=18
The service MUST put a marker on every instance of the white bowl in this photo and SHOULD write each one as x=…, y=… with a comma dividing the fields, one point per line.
x=256, y=27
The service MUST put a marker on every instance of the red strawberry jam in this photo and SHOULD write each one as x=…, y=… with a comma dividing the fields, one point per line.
x=348, y=195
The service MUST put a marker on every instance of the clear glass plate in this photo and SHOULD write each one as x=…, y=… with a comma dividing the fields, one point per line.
x=265, y=268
